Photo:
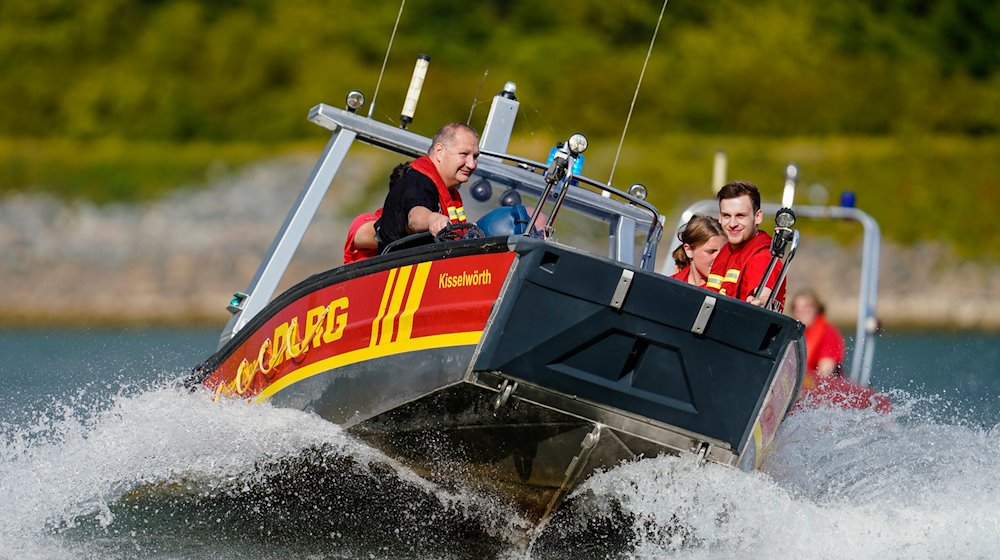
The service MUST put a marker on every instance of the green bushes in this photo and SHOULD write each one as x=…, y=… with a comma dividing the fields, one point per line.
x=197, y=69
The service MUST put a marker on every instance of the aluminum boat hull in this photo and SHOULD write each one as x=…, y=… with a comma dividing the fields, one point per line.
x=516, y=367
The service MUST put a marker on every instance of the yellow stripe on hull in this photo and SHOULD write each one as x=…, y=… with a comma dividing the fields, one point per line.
x=370, y=353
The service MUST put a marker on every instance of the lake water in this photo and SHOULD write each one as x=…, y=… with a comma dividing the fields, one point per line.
x=104, y=455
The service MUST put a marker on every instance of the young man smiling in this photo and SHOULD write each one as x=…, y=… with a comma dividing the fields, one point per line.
x=426, y=197
x=743, y=261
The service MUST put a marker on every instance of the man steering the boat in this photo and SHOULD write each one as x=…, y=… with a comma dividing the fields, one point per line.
x=742, y=262
x=426, y=197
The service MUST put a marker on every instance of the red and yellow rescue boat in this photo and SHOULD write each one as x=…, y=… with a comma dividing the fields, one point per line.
x=512, y=365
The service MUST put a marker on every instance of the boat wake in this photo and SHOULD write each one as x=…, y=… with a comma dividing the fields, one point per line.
x=165, y=471
x=837, y=484
x=162, y=473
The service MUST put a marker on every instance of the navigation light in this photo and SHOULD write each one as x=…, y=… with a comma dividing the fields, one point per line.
x=508, y=91
x=577, y=144
x=785, y=218
x=355, y=100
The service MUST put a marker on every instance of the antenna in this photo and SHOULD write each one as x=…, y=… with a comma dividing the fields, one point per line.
x=635, y=95
x=371, y=108
x=475, y=100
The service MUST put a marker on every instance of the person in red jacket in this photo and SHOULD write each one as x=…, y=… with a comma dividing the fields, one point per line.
x=824, y=344
x=743, y=261
x=701, y=239
x=361, y=242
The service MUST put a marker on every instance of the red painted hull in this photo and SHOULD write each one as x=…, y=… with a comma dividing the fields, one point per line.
x=414, y=307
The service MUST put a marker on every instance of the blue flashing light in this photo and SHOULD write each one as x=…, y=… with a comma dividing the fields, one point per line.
x=577, y=165
x=847, y=199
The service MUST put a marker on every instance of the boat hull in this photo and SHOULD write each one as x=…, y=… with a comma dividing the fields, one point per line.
x=518, y=367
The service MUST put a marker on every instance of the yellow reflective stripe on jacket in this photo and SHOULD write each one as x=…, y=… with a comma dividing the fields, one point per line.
x=714, y=281
x=732, y=275
x=457, y=214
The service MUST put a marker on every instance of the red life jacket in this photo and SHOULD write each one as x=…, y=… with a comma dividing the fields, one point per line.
x=683, y=273
x=729, y=271
x=814, y=334
x=449, y=198
x=352, y=253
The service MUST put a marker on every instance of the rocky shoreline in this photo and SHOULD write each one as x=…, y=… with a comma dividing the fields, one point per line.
x=178, y=260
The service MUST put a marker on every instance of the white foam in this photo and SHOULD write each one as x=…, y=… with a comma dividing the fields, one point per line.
x=838, y=484
x=74, y=461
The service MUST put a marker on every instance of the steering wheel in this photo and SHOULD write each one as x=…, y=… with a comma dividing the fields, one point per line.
x=454, y=232
x=405, y=241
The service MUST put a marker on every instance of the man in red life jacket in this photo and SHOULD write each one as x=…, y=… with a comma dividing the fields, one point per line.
x=426, y=197
x=742, y=262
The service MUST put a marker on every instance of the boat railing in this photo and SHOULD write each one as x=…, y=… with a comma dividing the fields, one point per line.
x=624, y=214
x=866, y=327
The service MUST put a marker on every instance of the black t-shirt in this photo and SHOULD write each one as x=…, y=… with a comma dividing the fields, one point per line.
x=411, y=190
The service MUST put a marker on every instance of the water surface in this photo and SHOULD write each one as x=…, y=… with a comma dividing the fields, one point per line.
x=103, y=454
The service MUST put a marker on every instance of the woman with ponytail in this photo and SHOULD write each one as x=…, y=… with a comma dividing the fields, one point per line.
x=701, y=239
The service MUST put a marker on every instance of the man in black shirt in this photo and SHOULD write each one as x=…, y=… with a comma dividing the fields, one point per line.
x=426, y=197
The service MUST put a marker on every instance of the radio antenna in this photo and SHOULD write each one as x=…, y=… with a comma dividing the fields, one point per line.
x=371, y=108
x=635, y=95
x=475, y=100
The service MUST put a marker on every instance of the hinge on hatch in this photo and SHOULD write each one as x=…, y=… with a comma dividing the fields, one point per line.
x=704, y=314
x=621, y=290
